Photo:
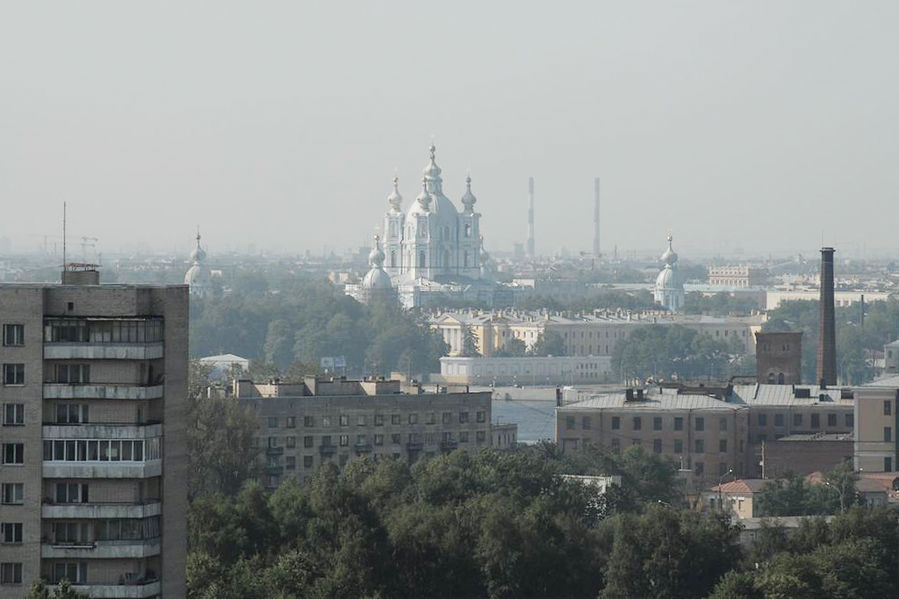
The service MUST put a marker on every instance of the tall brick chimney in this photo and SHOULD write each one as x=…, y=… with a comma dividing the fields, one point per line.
x=827, y=338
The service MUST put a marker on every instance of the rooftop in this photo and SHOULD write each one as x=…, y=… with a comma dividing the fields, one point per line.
x=741, y=485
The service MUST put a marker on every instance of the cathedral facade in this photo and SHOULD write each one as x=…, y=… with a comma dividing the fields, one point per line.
x=433, y=240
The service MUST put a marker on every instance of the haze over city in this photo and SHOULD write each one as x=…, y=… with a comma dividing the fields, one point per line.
x=283, y=124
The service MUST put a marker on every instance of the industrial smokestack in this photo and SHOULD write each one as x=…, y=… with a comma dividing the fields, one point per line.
x=827, y=338
x=531, y=252
x=596, y=217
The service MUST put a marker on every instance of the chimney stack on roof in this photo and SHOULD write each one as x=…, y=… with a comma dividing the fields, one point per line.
x=827, y=339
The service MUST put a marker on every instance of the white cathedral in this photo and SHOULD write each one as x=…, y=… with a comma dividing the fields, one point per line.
x=432, y=250
x=669, y=289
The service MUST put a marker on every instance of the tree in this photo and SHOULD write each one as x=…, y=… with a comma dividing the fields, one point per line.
x=63, y=591
x=549, y=343
x=513, y=348
x=469, y=342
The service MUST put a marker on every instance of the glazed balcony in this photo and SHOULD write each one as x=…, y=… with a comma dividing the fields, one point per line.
x=102, y=391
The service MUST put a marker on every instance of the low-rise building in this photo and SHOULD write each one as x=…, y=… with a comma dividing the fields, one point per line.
x=735, y=497
x=335, y=420
x=803, y=454
x=526, y=370
x=875, y=434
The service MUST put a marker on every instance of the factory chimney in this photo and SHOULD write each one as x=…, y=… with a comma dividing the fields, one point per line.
x=827, y=339
x=596, y=217
x=530, y=248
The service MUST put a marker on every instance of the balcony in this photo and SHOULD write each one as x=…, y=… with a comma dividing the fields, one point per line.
x=414, y=446
x=103, y=351
x=327, y=449
x=274, y=451
x=101, y=431
x=102, y=391
x=123, y=591
x=102, y=550
x=449, y=445
x=362, y=447
x=100, y=510
x=148, y=469
x=274, y=470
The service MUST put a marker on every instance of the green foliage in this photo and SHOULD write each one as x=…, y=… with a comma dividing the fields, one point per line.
x=63, y=591
x=793, y=496
x=513, y=348
x=662, y=351
x=854, y=341
x=469, y=342
x=604, y=299
x=305, y=320
x=719, y=304
x=549, y=343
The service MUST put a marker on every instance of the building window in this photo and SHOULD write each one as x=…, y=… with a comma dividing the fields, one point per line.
x=722, y=468
x=344, y=440
x=308, y=421
x=396, y=438
x=72, y=413
x=778, y=420
x=13, y=453
x=11, y=533
x=569, y=422
x=481, y=436
x=678, y=446
x=678, y=423
x=290, y=462
x=699, y=446
x=291, y=442
x=657, y=445
x=291, y=422
x=831, y=420
x=888, y=464
x=308, y=441
x=379, y=439
x=722, y=424
x=656, y=423
x=887, y=434
x=273, y=422
x=698, y=467
x=11, y=573
x=722, y=445
x=360, y=420
x=395, y=419
x=616, y=445
x=850, y=420
x=887, y=408
x=797, y=419
x=585, y=423
x=637, y=423
x=307, y=461
x=273, y=441
x=448, y=417
x=463, y=417
x=13, y=374
x=763, y=419
x=13, y=414
x=379, y=419
x=413, y=418
x=344, y=420
x=816, y=421
x=73, y=374
x=700, y=423
x=71, y=493
x=481, y=416
x=13, y=334
x=12, y=493
x=95, y=450
x=463, y=437
x=616, y=423
x=74, y=572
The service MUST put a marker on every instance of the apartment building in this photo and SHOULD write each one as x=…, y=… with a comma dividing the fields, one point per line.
x=336, y=420
x=92, y=475
x=877, y=421
x=710, y=431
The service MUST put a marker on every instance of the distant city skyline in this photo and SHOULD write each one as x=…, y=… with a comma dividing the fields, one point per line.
x=769, y=129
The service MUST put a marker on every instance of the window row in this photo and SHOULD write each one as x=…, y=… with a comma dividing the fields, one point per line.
x=376, y=419
x=636, y=423
x=103, y=331
x=379, y=439
x=81, y=532
x=88, y=450
x=798, y=420
x=699, y=445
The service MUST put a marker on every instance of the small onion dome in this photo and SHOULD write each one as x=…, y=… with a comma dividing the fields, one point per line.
x=376, y=257
x=424, y=198
x=395, y=199
x=431, y=170
x=198, y=254
x=670, y=256
x=468, y=200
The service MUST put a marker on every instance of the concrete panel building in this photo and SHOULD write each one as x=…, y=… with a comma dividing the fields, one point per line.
x=337, y=420
x=94, y=452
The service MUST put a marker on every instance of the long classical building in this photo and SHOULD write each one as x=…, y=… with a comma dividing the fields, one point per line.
x=711, y=432
x=92, y=479
x=593, y=334
x=336, y=420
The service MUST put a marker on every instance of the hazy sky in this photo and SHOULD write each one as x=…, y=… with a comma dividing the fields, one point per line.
x=759, y=125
